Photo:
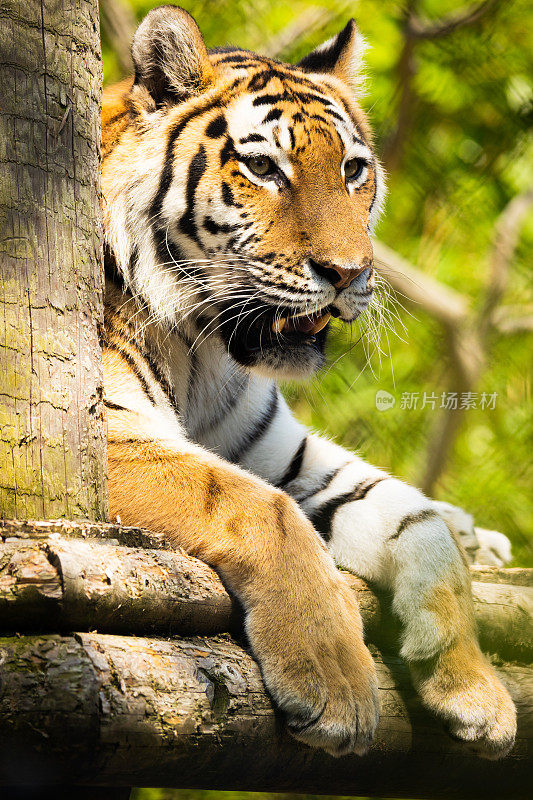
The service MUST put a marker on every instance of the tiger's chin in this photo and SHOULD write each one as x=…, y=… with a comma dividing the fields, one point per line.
x=294, y=361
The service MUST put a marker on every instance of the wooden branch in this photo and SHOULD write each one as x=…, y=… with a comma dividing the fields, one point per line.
x=70, y=583
x=512, y=576
x=414, y=29
x=406, y=96
x=511, y=319
x=506, y=233
x=74, y=584
x=421, y=29
x=444, y=304
x=515, y=325
x=113, y=710
x=119, y=710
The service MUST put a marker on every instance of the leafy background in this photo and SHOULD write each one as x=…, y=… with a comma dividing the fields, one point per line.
x=451, y=113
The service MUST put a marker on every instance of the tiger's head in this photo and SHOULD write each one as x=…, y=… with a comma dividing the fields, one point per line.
x=240, y=192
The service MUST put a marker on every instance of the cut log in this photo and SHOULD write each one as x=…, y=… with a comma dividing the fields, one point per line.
x=515, y=576
x=72, y=584
x=112, y=710
x=53, y=583
x=121, y=711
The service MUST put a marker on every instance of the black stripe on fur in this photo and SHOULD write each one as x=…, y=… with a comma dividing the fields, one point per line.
x=293, y=470
x=322, y=484
x=217, y=127
x=322, y=517
x=414, y=519
x=168, y=167
x=197, y=168
x=261, y=428
x=136, y=371
x=114, y=406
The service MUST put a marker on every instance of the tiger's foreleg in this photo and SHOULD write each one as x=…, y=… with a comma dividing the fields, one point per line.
x=390, y=533
x=301, y=617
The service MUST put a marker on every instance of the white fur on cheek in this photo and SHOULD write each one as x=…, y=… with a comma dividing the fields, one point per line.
x=381, y=195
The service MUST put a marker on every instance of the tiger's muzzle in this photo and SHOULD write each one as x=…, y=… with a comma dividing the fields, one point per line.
x=290, y=343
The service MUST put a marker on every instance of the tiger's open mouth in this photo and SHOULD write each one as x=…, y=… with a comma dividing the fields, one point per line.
x=279, y=340
x=308, y=324
x=282, y=342
x=277, y=334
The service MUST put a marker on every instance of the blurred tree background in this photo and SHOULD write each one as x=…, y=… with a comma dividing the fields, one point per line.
x=450, y=98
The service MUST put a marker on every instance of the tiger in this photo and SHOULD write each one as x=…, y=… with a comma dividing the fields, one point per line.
x=239, y=198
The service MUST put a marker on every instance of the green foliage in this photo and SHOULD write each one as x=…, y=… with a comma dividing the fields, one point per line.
x=465, y=155
x=203, y=794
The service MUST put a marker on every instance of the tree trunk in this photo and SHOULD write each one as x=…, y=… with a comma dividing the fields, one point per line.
x=52, y=431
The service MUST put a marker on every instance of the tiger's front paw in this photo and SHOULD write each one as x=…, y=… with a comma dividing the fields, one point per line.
x=481, y=546
x=320, y=673
x=460, y=687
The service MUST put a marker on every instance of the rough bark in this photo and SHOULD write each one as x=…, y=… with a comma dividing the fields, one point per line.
x=95, y=708
x=52, y=435
x=68, y=584
x=53, y=583
x=515, y=576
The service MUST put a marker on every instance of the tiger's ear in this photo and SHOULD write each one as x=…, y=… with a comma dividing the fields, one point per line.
x=170, y=56
x=341, y=56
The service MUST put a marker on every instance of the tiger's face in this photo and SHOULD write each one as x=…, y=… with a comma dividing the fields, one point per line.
x=240, y=192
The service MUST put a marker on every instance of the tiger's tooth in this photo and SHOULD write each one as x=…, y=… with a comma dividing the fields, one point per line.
x=320, y=323
x=279, y=324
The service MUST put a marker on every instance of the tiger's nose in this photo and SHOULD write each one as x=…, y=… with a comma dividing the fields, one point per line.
x=339, y=277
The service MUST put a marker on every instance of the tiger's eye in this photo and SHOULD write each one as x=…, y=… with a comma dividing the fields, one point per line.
x=260, y=165
x=354, y=168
